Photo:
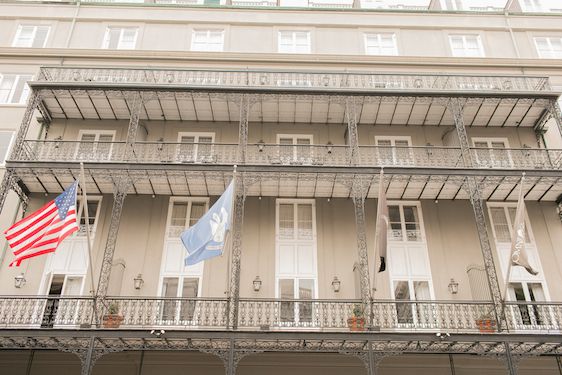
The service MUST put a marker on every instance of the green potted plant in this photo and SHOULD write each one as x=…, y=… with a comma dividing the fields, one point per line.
x=356, y=322
x=112, y=319
x=486, y=323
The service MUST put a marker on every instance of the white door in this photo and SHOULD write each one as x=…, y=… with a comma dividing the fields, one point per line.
x=195, y=147
x=95, y=145
x=180, y=285
x=394, y=151
x=296, y=271
x=409, y=271
x=295, y=149
x=492, y=152
x=59, y=311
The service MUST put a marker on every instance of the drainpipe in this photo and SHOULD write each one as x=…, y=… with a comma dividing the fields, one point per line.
x=72, y=25
x=508, y=26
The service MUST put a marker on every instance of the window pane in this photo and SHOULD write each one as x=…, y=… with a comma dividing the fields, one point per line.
x=395, y=222
x=197, y=210
x=25, y=37
x=72, y=286
x=128, y=39
x=189, y=290
x=92, y=213
x=512, y=211
x=177, y=222
x=6, y=85
x=113, y=36
x=306, y=291
x=169, y=290
x=286, y=221
x=411, y=219
x=304, y=221
x=21, y=90
x=40, y=36
x=403, y=310
x=286, y=291
x=501, y=227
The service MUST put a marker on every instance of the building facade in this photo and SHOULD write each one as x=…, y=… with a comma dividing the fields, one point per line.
x=302, y=105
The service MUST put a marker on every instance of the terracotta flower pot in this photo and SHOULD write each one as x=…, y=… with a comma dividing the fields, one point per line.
x=356, y=324
x=486, y=325
x=112, y=320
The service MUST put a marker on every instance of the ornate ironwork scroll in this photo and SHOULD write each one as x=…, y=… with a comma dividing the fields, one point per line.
x=359, y=190
x=352, y=134
x=555, y=112
x=455, y=106
x=245, y=103
x=135, y=106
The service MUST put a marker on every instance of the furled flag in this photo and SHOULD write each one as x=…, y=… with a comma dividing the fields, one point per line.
x=44, y=230
x=381, y=231
x=207, y=237
x=518, y=252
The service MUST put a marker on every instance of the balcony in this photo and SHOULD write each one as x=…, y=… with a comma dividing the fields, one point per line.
x=275, y=314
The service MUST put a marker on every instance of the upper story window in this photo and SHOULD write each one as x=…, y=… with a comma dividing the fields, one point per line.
x=466, y=46
x=452, y=4
x=5, y=143
x=295, y=148
x=531, y=5
x=294, y=41
x=94, y=204
x=549, y=47
x=120, y=38
x=207, y=40
x=405, y=222
x=195, y=147
x=13, y=88
x=380, y=44
x=31, y=36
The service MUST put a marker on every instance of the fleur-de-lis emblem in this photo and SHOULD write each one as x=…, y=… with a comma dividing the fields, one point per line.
x=218, y=225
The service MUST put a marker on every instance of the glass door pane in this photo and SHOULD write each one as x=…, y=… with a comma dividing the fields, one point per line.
x=204, y=148
x=402, y=152
x=186, y=149
x=287, y=291
x=412, y=223
x=306, y=292
x=170, y=292
x=286, y=152
x=86, y=146
x=286, y=221
x=52, y=303
x=304, y=219
x=501, y=225
x=303, y=150
x=403, y=310
x=177, y=221
x=190, y=290
x=395, y=223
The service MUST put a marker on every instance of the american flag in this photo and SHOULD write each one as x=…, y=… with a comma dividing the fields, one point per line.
x=43, y=231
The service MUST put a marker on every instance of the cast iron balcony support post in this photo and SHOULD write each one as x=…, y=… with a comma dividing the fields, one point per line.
x=352, y=136
x=455, y=106
x=554, y=109
x=245, y=103
x=135, y=105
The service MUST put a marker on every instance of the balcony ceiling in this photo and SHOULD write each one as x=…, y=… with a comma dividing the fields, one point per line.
x=291, y=182
x=385, y=109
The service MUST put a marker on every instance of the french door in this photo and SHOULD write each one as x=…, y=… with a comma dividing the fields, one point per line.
x=296, y=271
x=295, y=149
x=394, y=150
x=95, y=145
x=492, y=152
x=195, y=147
x=59, y=311
x=410, y=274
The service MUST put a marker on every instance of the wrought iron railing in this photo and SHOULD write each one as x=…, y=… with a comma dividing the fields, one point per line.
x=253, y=314
x=375, y=82
x=293, y=155
x=534, y=316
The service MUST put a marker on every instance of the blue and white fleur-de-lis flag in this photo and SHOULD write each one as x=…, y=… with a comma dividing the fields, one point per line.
x=207, y=237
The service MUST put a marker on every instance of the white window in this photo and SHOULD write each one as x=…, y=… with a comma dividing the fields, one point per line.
x=207, y=40
x=410, y=274
x=466, y=46
x=6, y=138
x=31, y=36
x=294, y=42
x=95, y=145
x=380, y=44
x=549, y=47
x=452, y=4
x=492, y=152
x=14, y=88
x=531, y=5
x=296, y=271
x=295, y=149
x=394, y=150
x=180, y=284
x=94, y=205
x=120, y=38
x=195, y=147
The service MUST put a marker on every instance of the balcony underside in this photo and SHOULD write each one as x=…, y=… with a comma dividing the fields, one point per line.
x=288, y=181
x=295, y=105
x=297, y=342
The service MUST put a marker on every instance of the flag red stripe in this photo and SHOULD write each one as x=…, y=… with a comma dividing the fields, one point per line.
x=33, y=232
x=54, y=239
x=51, y=249
x=32, y=216
x=21, y=226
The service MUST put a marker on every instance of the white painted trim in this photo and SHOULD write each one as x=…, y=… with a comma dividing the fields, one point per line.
x=97, y=133
x=105, y=43
x=35, y=27
x=489, y=140
x=196, y=135
x=208, y=32
x=393, y=139
x=379, y=35
x=293, y=34
x=482, y=52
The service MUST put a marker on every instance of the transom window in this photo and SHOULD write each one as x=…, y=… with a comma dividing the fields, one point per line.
x=549, y=47
x=294, y=42
x=503, y=218
x=207, y=40
x=466, y=46
x=94, y=204
x=13, y=88
x=380, y=44
x=185, y=214
x=404, y=220
x=120, y=38
x=31, y=36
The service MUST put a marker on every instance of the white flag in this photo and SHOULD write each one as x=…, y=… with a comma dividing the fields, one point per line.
x=381, y=231
x=518, y=252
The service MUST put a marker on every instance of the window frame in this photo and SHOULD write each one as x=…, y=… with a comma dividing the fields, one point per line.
x=492, y=162
x=379, y=36
x=80, y=208
x=551, y=51
x=208, y=35
x=35, y=28
x=294, y=39
x=9, y=148
x=22, y=99
x=295, y=158
x=195, y=157
x=396, y=158
x=189, y=201
x=404, y=240
x=481, y=50
x=107, y=37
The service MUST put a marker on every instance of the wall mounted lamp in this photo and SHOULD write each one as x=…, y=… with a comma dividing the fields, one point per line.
x=336, y=284
x=257, y=284
x=19, y=280
x=453, y=286
x=138, y=281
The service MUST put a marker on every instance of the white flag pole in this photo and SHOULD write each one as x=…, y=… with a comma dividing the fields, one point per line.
x=510, y=262
x=87, y=215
